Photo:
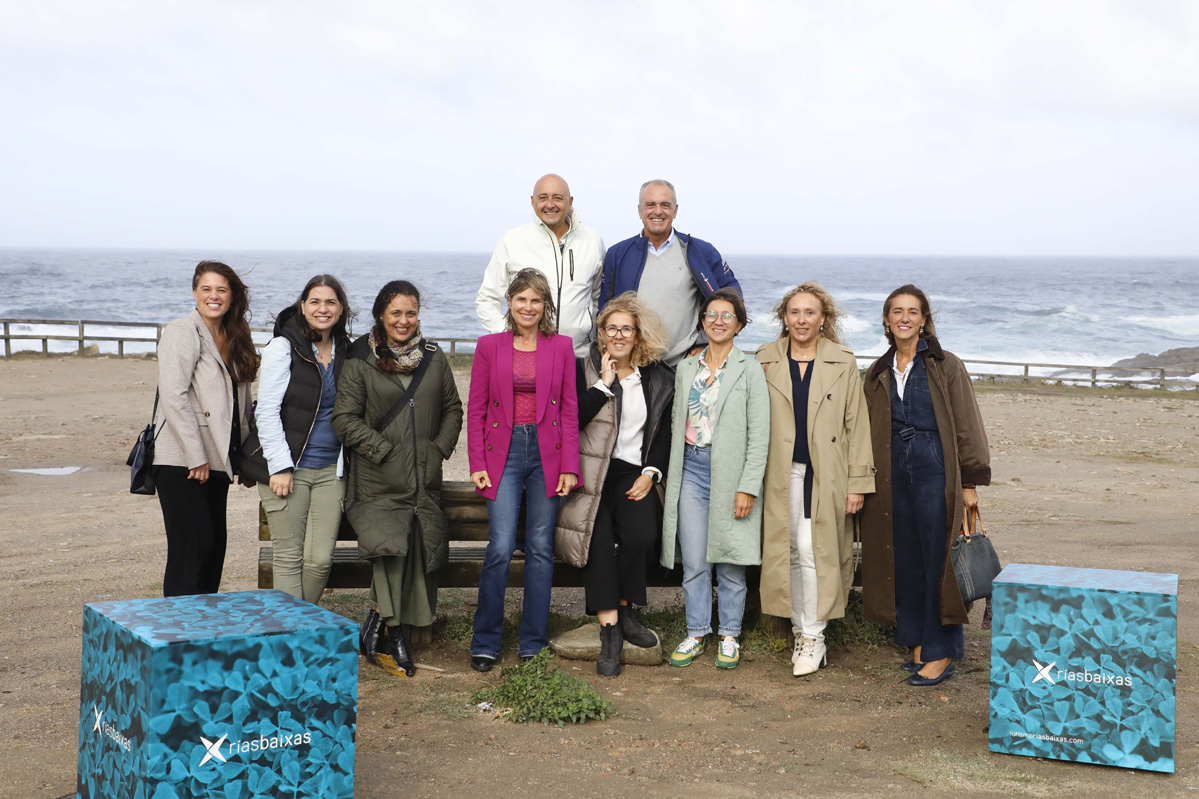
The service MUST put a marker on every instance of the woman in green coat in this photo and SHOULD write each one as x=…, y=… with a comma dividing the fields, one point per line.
x=720, y=436
x=398, y=414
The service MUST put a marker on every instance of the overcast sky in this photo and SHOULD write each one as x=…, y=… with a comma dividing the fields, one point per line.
x=916, y=128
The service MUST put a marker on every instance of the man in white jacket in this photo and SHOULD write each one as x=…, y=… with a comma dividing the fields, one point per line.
x=569, y=255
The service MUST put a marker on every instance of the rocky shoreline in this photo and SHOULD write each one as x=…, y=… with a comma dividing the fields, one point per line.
x=1178, y=358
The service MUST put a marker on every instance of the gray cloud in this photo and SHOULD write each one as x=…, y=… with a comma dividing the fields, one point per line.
x=826, y=127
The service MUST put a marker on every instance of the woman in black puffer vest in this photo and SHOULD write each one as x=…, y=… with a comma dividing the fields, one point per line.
x=298, y=386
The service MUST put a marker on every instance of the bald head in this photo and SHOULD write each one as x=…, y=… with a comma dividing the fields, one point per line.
x=552, y=203
x=551, y=183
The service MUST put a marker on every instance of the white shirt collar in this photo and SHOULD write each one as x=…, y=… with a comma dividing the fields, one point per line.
x=665, y=245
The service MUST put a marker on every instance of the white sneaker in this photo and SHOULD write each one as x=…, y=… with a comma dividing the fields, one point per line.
x=809, y=656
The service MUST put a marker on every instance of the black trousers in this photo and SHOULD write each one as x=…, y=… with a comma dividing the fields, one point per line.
x=622, y=542
x=194, y=516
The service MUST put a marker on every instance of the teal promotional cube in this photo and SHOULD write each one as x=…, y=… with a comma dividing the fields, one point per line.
x=1083, y=665
x=222, y=696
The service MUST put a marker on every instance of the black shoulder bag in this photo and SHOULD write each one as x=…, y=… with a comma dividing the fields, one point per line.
x=141, y=458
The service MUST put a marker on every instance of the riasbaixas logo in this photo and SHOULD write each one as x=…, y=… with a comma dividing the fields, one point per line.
x=104, y=728
x=220, y=750
x=1053, y=676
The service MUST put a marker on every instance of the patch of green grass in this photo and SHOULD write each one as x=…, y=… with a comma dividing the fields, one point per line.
x=533, y=691
x=855, y=629
x=351, y=604
x=458, y=628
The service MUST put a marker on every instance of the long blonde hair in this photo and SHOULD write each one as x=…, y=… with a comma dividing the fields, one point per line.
x=830, y=328
x=651, y=338
x=530, y=278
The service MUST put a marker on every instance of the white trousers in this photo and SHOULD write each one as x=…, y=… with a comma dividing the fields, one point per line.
x=803, y=564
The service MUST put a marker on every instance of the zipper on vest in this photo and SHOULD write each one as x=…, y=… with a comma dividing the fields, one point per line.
x=316, y=413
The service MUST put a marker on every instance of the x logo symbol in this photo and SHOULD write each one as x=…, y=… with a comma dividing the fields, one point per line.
x=213, y=750
x=1043, y=673
x=99, y=716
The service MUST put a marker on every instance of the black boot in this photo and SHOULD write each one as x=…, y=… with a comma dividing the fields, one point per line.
x=368, y=635
x=608, y=664
x=634, y=631
x=397, y=647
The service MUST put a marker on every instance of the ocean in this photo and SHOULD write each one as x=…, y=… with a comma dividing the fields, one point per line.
x=1084, y=311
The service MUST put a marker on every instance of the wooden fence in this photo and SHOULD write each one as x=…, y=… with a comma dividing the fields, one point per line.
x=145, y=335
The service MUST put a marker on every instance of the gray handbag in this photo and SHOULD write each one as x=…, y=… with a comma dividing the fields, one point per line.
x=975, y=563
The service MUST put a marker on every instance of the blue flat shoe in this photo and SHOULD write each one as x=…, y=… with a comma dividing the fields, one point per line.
x=924, y=682
x=911, y=667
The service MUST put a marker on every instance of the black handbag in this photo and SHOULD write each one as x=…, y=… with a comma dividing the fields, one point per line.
x=251, y=460
x=141, y=458
x=975, y=562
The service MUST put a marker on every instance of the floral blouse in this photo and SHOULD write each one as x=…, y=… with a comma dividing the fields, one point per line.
x=700, y=402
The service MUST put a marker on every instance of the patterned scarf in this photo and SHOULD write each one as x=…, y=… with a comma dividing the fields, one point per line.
x=407, y=356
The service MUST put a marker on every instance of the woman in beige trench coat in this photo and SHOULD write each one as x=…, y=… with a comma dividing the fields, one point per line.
x=814, y=480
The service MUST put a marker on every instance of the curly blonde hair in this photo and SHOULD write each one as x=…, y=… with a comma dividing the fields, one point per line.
x=530, y=278
x=830, y=328
x=651, y=338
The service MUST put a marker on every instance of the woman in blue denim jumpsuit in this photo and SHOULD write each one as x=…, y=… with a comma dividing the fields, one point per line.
x=923, y=410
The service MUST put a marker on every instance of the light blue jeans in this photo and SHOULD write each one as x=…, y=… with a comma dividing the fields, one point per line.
x=693, y=541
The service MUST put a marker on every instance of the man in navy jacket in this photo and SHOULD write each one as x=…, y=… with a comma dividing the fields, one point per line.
x=673, y=273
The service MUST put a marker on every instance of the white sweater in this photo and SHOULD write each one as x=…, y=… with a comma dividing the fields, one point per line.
x=534, y=245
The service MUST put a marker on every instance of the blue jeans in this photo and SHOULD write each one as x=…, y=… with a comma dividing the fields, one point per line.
x=693, y=541
x=522, y=475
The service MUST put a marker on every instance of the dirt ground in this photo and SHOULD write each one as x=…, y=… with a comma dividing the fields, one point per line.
x=1087, y=478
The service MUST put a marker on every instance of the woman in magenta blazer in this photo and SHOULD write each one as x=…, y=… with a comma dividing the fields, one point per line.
x=522, y=438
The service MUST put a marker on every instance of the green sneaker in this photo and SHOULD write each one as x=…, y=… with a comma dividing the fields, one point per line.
x=689, y=650
x=729, y=654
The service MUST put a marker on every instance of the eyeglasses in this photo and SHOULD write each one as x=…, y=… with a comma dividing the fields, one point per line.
x=620, y=332
x=727, y=316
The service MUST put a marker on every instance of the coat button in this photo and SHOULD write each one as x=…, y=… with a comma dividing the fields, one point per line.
x=557, y=446
x=207, y=414
x=553, y=402
x=496, y=403
x=489, y=448
x=830, y=396
x=497, y=424
x=834, y=439
x=555, y=423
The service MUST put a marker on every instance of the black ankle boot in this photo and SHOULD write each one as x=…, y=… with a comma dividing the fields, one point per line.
x=397, y=647
x=634, y=631
x=608, y=664
x=368, y=635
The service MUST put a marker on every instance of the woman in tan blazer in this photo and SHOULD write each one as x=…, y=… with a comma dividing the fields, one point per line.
x=206, y=363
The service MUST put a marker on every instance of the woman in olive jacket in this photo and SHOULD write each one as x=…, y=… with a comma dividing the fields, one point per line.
x=930, y=450
x=399, y=415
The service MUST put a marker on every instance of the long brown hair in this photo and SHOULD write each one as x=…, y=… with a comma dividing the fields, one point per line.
x=243, y=357
x=530, y=278
x=340, y=334
x=928, y=330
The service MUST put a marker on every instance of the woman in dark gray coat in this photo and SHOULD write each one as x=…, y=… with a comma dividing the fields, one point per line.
x=398, y=413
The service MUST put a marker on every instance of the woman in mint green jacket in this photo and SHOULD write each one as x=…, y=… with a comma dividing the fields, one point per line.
x=720, y=437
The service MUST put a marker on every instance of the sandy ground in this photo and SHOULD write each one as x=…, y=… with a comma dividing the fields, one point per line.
x=1083, y=477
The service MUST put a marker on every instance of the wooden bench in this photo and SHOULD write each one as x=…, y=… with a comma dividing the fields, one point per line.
x=466, y=517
